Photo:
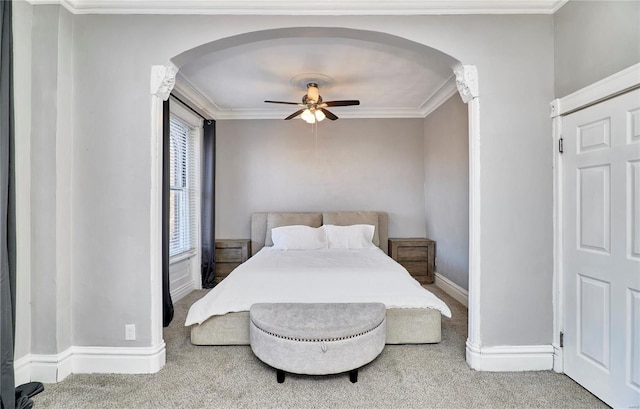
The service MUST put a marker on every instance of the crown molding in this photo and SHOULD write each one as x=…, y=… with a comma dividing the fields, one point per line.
x=446, y=91
x=361, y=113
x=190, y=94
x=294, y=7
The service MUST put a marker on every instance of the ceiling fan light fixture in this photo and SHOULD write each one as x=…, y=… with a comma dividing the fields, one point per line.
x=308, y=117
x=319, y=115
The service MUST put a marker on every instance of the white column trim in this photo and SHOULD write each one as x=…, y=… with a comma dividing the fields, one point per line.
x=616, y=84
x=468, y=86
x=467, y=81
x=162, y=82
x=474, y=223
x=163, y=79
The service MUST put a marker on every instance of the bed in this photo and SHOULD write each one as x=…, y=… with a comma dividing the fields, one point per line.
x=319, y=275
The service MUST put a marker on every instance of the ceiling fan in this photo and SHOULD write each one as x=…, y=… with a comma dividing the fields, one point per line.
x=314, y=107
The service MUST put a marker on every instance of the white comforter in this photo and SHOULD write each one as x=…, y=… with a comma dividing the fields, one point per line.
x=335, y=275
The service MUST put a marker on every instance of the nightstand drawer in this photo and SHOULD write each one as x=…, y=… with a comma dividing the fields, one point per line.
x=416, y=268
x=412, y=253
x=229, y=255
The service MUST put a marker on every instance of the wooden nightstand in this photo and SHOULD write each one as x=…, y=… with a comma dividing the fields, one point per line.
x=229, y=255
x=418, y=256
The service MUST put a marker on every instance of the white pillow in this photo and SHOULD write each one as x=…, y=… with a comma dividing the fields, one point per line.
x=298, y=237
x=356, y=236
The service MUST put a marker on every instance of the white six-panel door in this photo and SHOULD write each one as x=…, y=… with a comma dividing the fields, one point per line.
x=601, y=248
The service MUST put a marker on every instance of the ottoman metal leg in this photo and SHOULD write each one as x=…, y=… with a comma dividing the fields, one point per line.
x=280, y=375
x=353, y=376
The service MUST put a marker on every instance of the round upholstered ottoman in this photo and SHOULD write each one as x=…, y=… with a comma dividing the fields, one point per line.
x=317, y=338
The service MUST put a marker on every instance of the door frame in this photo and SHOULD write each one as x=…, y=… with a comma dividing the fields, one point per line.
x=610, y=87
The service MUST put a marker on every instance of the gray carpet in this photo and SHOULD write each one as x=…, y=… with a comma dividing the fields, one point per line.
x=403, y=376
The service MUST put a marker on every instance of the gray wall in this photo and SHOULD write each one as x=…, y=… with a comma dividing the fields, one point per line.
x=446, y=173
x=594, y=39
x=112, y=56
x=352, y=164
x=51, y=167
x=22, y=23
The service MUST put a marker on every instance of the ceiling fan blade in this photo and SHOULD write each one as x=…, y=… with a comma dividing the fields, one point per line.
x=329, y=114
x=295, y=114
x=283, y=102
x=341, y=103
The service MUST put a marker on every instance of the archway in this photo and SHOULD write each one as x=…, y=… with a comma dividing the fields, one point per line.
x=163, y=80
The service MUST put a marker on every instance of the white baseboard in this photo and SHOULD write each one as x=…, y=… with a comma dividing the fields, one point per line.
x=119, y=360
x=54, y=368
x=454, y=290
x=51, y=368
x=22, y=370
x=510, y=358
x=182, y=291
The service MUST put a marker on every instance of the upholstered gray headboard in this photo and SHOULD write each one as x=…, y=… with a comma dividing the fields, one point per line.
x=262, y=223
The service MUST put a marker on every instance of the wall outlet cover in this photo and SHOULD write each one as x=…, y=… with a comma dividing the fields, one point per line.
x=130, y=332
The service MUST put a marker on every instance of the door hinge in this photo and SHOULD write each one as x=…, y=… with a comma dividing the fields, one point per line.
x=561, y=339
x=561, y=145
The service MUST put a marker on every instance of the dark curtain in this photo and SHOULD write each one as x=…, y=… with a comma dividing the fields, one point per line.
x=7, y=215
x=167, y=304
x=207, y=204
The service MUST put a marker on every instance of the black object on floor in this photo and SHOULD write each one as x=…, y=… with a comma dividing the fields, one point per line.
x=353, y=375
x=29, y=390
x=25, y=392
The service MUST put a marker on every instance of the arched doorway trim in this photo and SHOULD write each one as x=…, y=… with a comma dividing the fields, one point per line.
x=162, y=82
x=163, y=78
x=467, y=83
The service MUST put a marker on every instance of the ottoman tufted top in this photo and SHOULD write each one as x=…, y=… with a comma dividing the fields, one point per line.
x=317, y=321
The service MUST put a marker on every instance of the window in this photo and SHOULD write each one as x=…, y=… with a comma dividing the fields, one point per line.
x=183, y=186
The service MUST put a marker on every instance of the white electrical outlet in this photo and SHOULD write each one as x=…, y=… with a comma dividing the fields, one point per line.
x=130, y=332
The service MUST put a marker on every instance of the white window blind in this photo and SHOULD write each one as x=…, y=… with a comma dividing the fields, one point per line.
x=182, y=199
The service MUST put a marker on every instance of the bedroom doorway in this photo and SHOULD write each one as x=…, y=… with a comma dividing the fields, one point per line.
x=466, y=83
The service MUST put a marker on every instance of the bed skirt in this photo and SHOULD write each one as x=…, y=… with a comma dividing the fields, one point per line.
x=404, y=326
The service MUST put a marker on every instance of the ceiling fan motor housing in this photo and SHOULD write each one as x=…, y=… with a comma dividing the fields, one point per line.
x=313, y=94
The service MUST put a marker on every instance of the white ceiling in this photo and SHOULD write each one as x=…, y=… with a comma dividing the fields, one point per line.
x=389, y=81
